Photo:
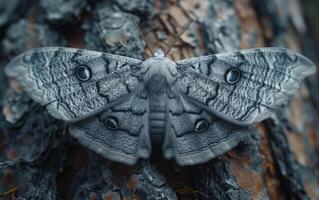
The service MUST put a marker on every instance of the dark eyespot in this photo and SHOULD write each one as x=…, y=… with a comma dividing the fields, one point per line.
x=232, y=76
x=111, y=123
x=83, y=73
x=27, y=58
x=201, y=125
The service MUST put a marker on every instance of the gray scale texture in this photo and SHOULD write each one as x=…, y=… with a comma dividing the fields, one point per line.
x=221, y=34
x=214, y=179
x=11, y=10
x=111, y=30
x=24, y=35
x=186, y=91
x=63, y=12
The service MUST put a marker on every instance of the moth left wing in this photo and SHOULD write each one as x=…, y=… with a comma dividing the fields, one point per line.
x=74, y=83
x=244, y=86
x=119, y=133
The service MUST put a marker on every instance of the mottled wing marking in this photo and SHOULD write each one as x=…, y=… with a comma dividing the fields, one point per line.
x=48, y=75
x=189, y=147
x=269, y=77
x=130, y=142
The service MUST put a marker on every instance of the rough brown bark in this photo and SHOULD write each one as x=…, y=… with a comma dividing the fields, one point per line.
x=278, y=161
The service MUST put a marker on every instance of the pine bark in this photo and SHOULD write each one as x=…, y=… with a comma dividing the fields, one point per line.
x=278, y=161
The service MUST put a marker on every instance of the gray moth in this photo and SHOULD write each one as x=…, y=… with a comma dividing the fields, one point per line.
x=196, y=108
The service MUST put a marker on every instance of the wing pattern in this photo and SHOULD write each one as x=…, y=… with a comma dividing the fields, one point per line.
x=265, y=79
x=54, y=77
x=120, y=133
x=189, y=145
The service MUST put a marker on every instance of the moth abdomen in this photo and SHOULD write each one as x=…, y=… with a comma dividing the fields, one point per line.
x=157, y=127
x=157, y=117
x=157, y=121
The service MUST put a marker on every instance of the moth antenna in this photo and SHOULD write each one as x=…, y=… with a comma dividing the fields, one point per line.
x=142, y=35
x=177, y=36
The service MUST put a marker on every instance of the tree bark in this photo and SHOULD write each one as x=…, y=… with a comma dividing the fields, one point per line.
x=279, y=160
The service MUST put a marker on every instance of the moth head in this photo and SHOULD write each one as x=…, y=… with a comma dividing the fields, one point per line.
x=159, y=53
x=159, y=65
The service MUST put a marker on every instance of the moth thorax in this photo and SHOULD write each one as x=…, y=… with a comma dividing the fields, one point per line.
x=157, y=84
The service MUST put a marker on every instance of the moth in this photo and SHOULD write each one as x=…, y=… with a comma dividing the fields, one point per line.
x=195, y=109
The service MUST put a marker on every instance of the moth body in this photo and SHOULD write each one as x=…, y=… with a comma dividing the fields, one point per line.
x=157, y=108
x=158, y=75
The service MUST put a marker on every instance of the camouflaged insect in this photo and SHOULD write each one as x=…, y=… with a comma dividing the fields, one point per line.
x=196, y=108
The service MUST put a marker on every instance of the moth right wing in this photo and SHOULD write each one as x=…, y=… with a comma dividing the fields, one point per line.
x=194, y=135
x=245, y=86
x=74, y=83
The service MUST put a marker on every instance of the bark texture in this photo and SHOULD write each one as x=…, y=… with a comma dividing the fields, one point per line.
x=278, y=161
